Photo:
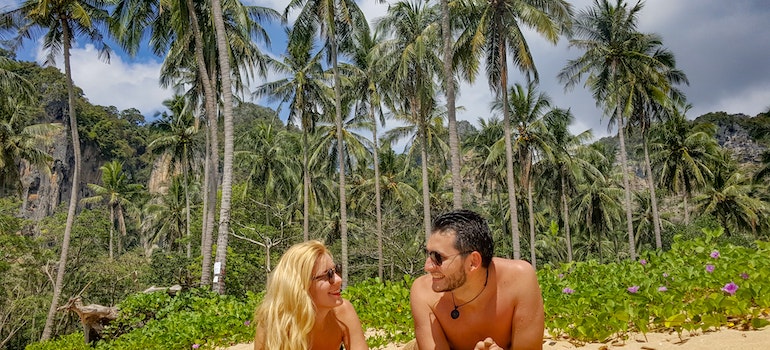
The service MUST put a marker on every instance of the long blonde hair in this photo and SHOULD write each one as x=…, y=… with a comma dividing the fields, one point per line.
x=287, y=314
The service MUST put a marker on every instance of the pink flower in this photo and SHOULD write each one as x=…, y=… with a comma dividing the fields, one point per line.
x=633, y=289
x=745, y=276
x=643, y=262
x=730, y=288
x=195, y=346
x=246, y=323
x=568, y=290
x=665, y=274
x=662, y=289
x=709, y=268
x=715, y=254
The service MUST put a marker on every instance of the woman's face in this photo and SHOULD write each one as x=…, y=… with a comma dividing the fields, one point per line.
x=326, y=285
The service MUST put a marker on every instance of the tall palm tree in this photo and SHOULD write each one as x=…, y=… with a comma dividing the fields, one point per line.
x=495, y=28
x=612, y=57
x=62, y=22
x=530, y=109
x=409, y=58
x=267, y=155
x=117, y=192
x=335, y=20
x=181, y=141
x=303, y=88
x=449, y=88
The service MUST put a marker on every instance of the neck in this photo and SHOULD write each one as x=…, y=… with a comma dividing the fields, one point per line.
x=472, y=288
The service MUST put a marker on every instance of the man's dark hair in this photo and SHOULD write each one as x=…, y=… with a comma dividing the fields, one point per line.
x=471, y=233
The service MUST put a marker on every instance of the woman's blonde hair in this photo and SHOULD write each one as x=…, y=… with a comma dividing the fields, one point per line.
x=287, y=313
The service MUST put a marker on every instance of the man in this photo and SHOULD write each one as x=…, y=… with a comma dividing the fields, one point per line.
x=470, y=300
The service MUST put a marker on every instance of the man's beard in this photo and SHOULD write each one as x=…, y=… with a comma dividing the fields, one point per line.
x=453, y=282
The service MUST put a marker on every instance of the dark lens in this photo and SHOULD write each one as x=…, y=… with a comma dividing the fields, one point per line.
x=436, y=257
x=330, y=275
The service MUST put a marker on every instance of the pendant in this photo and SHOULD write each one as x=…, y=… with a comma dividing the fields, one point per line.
x=455, y=314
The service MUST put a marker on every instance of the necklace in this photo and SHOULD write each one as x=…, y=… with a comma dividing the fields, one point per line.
x=456, y=313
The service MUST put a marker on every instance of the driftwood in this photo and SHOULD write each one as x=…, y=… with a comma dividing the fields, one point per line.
x=172, y=291
x=93, y=317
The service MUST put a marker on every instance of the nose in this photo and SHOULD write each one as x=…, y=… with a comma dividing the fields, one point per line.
x=429, y=265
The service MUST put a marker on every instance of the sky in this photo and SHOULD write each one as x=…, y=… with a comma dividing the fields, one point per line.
x=722, y=46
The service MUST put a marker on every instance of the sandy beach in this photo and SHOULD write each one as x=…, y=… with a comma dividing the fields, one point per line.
x=724, y=339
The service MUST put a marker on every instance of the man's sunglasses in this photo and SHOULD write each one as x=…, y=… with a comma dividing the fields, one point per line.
x=329, y=274
x=439, y=259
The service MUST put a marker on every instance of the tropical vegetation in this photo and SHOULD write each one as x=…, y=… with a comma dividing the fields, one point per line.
x=362, y=149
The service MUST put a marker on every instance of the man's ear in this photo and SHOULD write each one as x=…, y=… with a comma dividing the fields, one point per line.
x=475, y=259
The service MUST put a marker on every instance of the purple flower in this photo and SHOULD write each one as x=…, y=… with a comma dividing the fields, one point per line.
x=662, y=289
x=561, y=275
x=715, y=254
x=709, y=268
x=665, y=274
x=568, y=290
x=730, y=288
x=246, y=323
x=745, y=276
x=633, y=289
x=195, y=346
x=643, y=262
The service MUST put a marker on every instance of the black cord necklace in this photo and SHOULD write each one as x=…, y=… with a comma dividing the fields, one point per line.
x=456, y=313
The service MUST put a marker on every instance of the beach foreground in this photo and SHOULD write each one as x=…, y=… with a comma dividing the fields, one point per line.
x=724, y=339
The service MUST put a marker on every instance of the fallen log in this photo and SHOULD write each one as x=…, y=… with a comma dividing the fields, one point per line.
x=93, y=317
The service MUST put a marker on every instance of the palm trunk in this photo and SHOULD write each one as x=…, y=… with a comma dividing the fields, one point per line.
x=509, y=158
x=532, y=235
x=187, y=206
x=227, y=173
x=65, y=246
x=377, y=199
x=626, y=185
x=121, y=223
x=565, y=211
x=340, y=158
x=653, y=198
x=454, y=148
x=212, y=152
x=305, y=188
x=112, y=231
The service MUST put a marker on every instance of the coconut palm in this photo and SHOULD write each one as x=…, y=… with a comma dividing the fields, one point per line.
x=117, y=192
x=180, y=140
x=303, y=88
x=335, y=20
x=62, y=22
x=409, y=58
x=495, y=28
x=683, y=157
x=614, y=56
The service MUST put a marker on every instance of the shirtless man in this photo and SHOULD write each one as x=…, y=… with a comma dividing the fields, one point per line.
x=470, y=300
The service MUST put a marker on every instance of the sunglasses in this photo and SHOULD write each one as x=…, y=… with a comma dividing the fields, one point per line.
x=329, y=274
x=439, y=259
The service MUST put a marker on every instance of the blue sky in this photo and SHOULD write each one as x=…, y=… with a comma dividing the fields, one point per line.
x=723, y=47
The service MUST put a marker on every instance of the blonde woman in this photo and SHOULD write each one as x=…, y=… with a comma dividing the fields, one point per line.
x=303, y=308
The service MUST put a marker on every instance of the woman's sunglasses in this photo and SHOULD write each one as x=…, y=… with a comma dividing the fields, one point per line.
x=329, y=274
x=439, y=259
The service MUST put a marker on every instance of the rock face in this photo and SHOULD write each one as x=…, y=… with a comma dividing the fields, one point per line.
x=737, y=139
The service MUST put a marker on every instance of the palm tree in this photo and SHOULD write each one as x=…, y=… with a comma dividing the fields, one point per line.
x=683, y=157
x=530, y=110
x=164, y=219
x=117, y=192
x=63, y=22
x=614, y=55
x=335, y=20
x=409, y=58
x=495, y=27
x=449, y=88
x=181, y=141
x=303, y=89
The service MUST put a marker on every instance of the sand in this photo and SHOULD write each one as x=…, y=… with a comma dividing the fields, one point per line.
x=724, y=339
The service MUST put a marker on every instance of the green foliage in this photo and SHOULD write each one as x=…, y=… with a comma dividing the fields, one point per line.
x=384, y=307
x=72, y=341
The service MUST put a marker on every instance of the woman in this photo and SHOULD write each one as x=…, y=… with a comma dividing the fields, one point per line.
x=303, y=308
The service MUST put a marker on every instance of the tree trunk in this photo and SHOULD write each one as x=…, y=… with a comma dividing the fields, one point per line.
x=424, y=167
x=340, y=158
x=212, y=152
x=377, y=198
x=565, y=218
x=653, y=197
x=121, y=224
x=626, y=185
x=454, y=144
x=112, y=231
x=305, y=188
x=65, y=246
x=532, y=234
x=514, y=212
x=227, y=171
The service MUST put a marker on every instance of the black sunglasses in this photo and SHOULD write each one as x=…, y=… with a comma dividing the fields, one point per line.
x=329, y=274
x=439, y=259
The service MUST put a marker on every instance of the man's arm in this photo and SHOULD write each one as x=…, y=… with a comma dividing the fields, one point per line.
x=528, y=317
x=427, y=330
x=354, y=334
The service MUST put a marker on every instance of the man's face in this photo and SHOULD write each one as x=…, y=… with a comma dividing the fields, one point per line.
x=444, y=262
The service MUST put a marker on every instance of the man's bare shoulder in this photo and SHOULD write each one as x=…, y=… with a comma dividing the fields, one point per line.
x=513, y=269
